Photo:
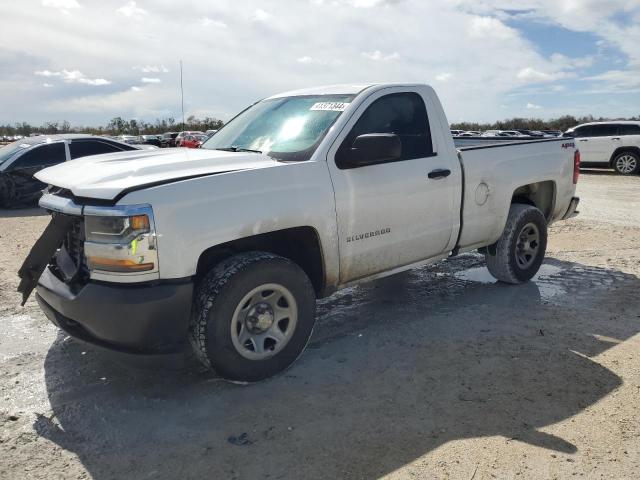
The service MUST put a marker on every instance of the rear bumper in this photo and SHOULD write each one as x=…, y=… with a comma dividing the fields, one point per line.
x=134, y=319
x=571, y=211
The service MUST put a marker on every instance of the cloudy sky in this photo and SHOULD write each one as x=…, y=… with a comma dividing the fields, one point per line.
x=87, y=61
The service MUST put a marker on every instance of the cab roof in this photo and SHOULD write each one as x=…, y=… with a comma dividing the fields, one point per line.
x=344, y=89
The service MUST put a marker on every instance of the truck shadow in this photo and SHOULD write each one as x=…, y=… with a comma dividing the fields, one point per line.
x=396, y=368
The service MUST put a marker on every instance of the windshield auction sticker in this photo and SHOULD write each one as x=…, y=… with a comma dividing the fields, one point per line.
x=330, y=106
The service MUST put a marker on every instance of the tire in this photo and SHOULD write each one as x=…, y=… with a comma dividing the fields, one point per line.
x=520, y=250
x=626, y=163
x=235, y=326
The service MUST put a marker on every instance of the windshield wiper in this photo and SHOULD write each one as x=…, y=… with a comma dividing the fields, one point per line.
x=237, y=149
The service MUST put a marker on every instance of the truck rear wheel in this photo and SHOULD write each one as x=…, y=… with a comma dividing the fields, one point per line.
x=520, y=250
x=253, y=314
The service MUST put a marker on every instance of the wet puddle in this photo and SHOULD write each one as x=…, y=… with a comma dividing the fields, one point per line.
x=547, y=279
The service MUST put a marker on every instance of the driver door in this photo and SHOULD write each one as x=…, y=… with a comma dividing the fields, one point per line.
x=391, y=214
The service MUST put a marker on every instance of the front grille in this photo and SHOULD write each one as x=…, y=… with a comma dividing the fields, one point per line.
x=74, y=243
x=69, y=262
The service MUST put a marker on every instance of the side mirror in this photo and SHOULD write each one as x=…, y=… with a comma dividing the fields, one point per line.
x=371, y=148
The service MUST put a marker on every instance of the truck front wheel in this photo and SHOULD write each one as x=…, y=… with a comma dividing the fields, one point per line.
x=519, y=252
x=252, y=316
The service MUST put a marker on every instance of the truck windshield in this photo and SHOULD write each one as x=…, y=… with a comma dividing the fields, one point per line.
x=288, y=128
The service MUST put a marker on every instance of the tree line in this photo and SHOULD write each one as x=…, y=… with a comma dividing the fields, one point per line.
x=121, y=126
x=116, y=126
x=562, y=123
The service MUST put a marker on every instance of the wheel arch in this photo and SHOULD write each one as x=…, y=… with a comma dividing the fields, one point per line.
x=541, y=195
x=299, y=244
x=620, y=150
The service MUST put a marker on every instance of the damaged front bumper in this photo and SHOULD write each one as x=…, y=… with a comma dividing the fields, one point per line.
x=141, y=317
x=152, y=318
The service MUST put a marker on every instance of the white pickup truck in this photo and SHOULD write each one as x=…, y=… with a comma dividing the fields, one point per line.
x=303, y=193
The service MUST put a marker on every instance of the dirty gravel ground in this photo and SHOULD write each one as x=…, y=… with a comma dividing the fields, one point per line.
x=435, y=373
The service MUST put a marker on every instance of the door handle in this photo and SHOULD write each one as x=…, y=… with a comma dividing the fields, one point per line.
x=583, y=140
x=439, y=173
x=615, y=138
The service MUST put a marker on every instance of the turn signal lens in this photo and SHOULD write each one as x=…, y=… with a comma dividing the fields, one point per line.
x=120, y=266
x=139, y=222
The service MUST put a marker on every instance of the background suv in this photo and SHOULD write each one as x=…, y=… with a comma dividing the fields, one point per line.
x=609, y=145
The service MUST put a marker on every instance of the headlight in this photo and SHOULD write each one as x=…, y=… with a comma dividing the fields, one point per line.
x=115, y=229
x=120, y=241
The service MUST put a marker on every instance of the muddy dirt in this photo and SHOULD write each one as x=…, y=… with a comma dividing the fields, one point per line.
x=436, y=373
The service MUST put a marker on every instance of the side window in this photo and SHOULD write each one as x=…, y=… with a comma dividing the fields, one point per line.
x=582, y=132
x=84, y=148
x=42, y=156
x=118, y=146
x=403, y=114
x=628, y=129
x=605, y=130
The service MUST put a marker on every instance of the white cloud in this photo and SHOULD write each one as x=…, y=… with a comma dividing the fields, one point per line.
x=307, y=60
x=259, y=15
x=47, y=73
x=618, y=79
x=472, y=52
x=209, y=22
x=136, y=89
x=444, y=76
x=132, y=10
x=47, y=85
x=378, y=56
x=139, y=103
x=150, y=80
x=152, y=69
x=531, y=75
x=63, y=5
x=490, y=28
x=562, y=61
x=533, y=106
x=73, y=76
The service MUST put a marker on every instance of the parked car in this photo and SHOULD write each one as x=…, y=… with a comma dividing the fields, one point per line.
x=168, y=139
x=20, y=160
x=494, y=133
x=552, y=133
x=457, y=132
x=609, y=145
x=193, y=141
x=511, y=133
x=130, y=139
x=181, y=136
x=211, y=133
x=530, y=133
x=150, y=140
x=230, y=246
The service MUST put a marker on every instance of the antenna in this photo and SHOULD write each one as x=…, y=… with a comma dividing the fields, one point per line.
x=182, y=95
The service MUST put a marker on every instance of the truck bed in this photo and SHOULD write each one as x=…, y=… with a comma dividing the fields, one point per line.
x=465, y=142
x=494, y=171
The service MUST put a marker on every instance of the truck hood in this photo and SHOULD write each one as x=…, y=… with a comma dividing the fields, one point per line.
x=106, y=176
